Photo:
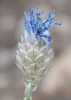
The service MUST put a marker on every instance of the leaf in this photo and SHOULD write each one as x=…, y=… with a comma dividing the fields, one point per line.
x=43, y=49
x=32, y=67
x=39, y=59
x=37, y=67
x=22, y=39
x=30, y=53
x=27, y=61
x=20, y=46
x=27, y=69
x=41, y=70
x=18, y=60
x=52, y=56
x=36, y=53
x=33, y=53
x=47, y=62
x=28, y=46
x=18, y=66
x=22, y=53
x=50, y=53
x=36, y=43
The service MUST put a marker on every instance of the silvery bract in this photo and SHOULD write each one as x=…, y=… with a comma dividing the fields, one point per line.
x=35, y=55
x=32, y=60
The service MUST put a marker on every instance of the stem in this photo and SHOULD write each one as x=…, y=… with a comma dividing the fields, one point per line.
x=28, y=90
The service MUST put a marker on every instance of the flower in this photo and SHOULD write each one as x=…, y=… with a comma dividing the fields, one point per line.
x=39, y=28
x=35, y=55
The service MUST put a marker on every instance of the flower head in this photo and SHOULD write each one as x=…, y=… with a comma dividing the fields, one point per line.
x=39, y=28
x=34, y=55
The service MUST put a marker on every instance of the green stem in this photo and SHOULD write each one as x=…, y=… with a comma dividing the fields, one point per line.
x=28, y=90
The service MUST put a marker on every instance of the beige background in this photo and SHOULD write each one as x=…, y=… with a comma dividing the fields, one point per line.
x=57, y=83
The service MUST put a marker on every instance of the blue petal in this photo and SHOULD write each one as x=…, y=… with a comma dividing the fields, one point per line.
x=49, y=39
x=53, y=15
x=47, y=42
x=55, y=23
x=39, y=13
x=26, y=16
x=31, y=11
x=46, y=33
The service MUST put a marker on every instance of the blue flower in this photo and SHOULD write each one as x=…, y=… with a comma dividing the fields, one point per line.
x=34, y=24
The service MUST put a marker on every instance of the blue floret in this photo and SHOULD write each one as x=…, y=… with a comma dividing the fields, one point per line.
x=39, y=28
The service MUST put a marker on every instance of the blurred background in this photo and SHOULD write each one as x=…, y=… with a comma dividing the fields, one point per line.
x=56, y=85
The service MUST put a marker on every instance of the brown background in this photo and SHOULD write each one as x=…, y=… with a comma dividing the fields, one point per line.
x=57, y=83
